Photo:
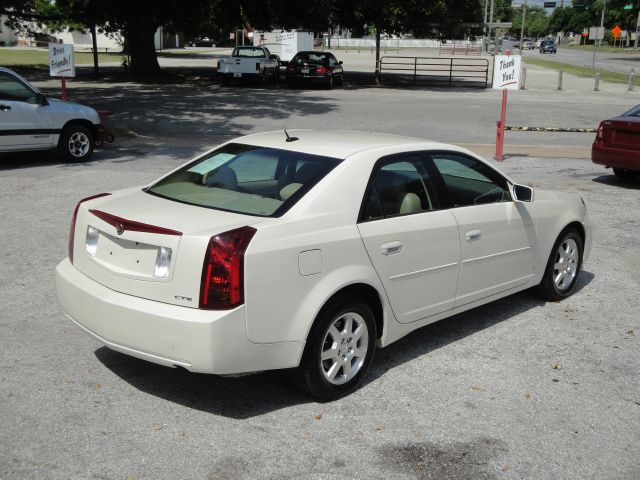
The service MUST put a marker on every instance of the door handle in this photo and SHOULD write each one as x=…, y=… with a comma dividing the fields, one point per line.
x=472, y=235
x=4, y=108
x=391, y=248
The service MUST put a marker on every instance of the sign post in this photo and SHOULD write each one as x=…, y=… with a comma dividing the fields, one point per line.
x=506, y=76
x=62, y=64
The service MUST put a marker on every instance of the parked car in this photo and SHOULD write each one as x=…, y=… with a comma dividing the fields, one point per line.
x=527, y=43
x=307, y=250
x=320, y=68
x=617, y=144
x=203, y=42
x=548, y=46
x=249, y=62
x=30, y=121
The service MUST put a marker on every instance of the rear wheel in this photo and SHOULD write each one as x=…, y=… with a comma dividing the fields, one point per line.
x=563, y=267
x=625, y=174
x=330, y=82
x=339, y=349
x=76, y=143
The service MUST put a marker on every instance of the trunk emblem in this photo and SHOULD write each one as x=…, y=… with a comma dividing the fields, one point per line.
x=119, y=229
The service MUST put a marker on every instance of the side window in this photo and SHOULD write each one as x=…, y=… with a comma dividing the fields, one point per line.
x=12, y=89
x=469, y=181
x=399, y=186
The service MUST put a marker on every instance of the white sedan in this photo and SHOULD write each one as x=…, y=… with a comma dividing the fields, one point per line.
x=307, y=252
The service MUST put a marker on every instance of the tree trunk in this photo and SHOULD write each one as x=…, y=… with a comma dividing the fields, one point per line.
x=140, y=40
x=377, y=55
x=94, y=40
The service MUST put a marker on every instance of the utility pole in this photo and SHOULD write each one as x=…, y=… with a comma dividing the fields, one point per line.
x=491, y=21
x=635, y=42
x=484, y=28
x=598, y=41
x=524, y=18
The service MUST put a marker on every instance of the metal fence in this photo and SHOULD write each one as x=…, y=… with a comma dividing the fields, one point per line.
x=453, y=48
x=434, y=71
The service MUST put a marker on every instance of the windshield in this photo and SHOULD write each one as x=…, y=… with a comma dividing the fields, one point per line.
x=245, y=179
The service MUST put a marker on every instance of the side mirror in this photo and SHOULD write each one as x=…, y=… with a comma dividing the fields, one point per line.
x=41, y=99
x=522, y=193
x=340, y=62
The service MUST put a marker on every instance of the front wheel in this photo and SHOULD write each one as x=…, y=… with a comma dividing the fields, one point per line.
x=563, y=267
x=76, y=143
x=339, y=350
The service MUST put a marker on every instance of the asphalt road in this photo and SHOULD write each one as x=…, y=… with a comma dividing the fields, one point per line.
x=198, y=107
x=615, y=62
x=516, y=389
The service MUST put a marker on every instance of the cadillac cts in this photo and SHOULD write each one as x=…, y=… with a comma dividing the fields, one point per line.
x=307, y=252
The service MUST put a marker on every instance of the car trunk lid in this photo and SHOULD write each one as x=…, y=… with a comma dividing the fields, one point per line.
x=622, y=132
x=147, y=246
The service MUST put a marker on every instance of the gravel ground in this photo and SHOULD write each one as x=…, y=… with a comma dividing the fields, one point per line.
x=515, y=389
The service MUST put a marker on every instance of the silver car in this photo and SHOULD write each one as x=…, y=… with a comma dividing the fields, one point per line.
x=31, y=121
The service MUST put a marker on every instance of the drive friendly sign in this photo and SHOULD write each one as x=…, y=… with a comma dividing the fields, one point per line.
x=506, y=72
x=61, y=62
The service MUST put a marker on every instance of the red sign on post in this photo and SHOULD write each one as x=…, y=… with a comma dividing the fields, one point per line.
x=616, y=31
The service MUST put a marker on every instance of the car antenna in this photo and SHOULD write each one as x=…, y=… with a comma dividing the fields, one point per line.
x=289, y=137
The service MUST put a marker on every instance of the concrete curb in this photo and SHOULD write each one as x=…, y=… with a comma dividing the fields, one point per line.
x=551, y=129
x=537, y=151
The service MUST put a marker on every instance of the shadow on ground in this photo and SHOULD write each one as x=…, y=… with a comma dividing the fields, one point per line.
x=254, y=395
x=614, y=181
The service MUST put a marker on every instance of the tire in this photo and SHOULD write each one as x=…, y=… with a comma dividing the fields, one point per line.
x=340, y=80
x=76, y=143
x=330, y=83
x=625, y=174
x=563, y=267
x=344, y=334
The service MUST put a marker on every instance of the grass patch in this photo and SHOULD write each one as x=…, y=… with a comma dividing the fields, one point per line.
x=589, y=48
x=585, y=72
x=21, y=57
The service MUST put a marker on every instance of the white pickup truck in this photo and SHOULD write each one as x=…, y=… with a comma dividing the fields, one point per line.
x=249, y=62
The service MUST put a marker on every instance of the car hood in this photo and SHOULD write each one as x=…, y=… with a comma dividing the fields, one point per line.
x=74, y=109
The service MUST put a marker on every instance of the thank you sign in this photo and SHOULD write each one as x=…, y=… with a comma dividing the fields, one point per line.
x=506, y=72
x=61, y=63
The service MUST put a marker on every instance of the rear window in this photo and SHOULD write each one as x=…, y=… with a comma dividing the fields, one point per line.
x=245, y=179
x=311, y=57
x=248, y=52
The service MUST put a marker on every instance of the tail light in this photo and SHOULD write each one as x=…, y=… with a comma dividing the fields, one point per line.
x=322, y=70
x=222, y=286
x=258, y=66
x=291, y=68
x=72, y=233
x=600, y=132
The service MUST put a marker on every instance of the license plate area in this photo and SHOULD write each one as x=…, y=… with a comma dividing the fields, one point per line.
x=237, y=75
x=304, y=70
x=126, y=257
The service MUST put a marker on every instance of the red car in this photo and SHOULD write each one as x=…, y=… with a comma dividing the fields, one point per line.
x=617, y=144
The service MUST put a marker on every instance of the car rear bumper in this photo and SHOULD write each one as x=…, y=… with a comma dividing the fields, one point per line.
x=319, y=79
x=202, y=341
x=615, y=157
